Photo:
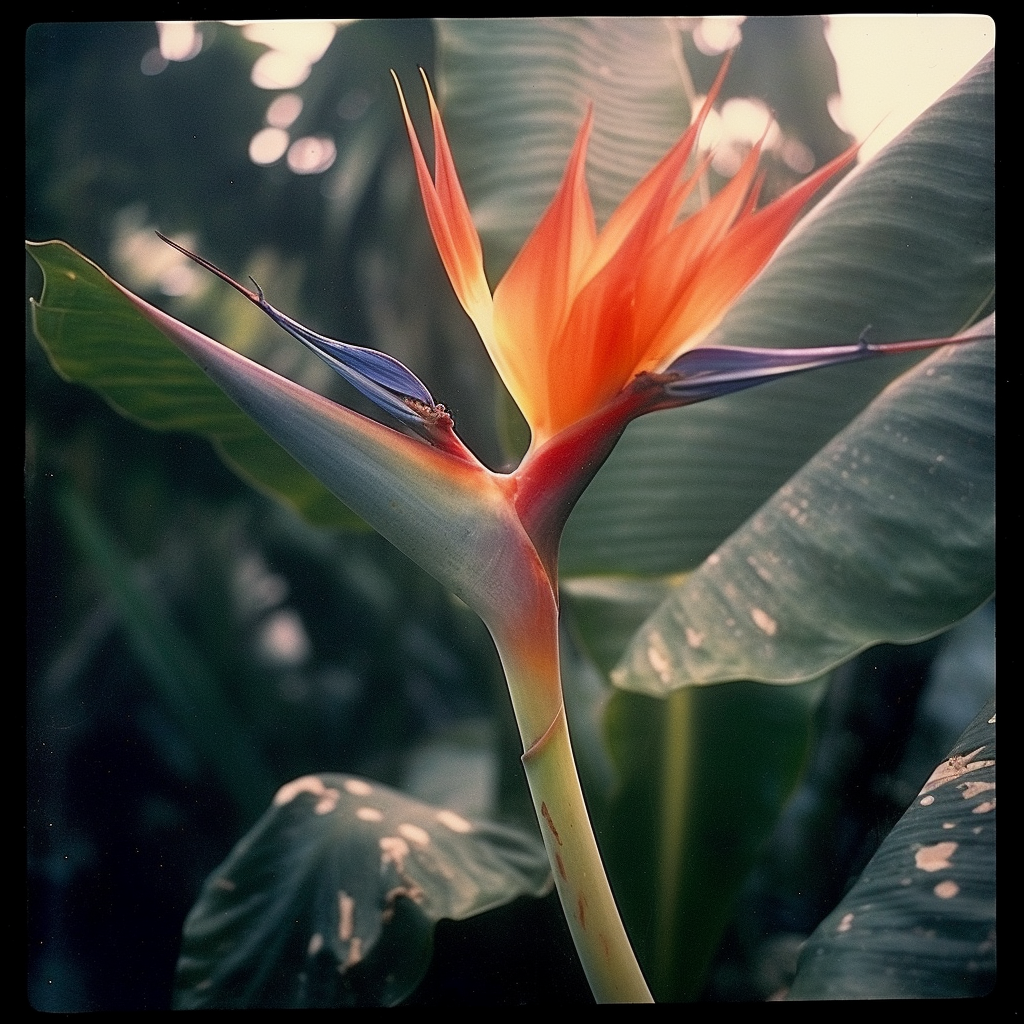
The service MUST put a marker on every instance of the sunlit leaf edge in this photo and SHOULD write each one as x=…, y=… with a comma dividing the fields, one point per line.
x=154, y=385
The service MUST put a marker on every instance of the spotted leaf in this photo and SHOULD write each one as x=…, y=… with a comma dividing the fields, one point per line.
x=920, y=920
x=332, y=898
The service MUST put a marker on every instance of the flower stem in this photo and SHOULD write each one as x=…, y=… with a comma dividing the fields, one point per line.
x=601, y=941
x=526, y=635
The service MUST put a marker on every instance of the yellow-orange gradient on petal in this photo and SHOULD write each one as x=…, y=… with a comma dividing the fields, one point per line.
x=581, y=312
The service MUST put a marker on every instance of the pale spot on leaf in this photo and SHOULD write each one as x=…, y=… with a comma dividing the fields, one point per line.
x=764, y=621
x=925, y=801
x=953, y=767
x=984, y=808
x=357, y=787
x=369, y=814
x=416, y=835
x=410, y=892
x=394, y=850
x=327, y=802
x=454, y=821
x=693, y=637
x=946, y=890
x=290, y=790
x=316, y=943
x=846, y=924
x=935, y=858
x=355, y=954
x=972, y=789
x=346, y=916
x=949, y=824
x=658, y=657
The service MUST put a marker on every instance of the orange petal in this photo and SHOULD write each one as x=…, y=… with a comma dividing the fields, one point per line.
x=670, y=266
x=586, y=366
x=533, y=299
x=733, y=265
x=652, y=198
x=597, y=349
x=455, y=236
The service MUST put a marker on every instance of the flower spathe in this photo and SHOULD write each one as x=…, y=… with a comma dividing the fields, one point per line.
x=581, y=312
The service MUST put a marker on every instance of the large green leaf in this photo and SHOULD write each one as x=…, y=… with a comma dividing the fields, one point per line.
x=887, y=534
x=906, y=245
x=920, y=920
x=93, y=335
x=332, y=898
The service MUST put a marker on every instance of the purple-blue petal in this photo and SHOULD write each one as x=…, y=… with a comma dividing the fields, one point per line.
x=380, y=377
x=709, y=372
x=704, y=373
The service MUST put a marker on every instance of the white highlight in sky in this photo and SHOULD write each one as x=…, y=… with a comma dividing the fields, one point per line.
x=893, y=67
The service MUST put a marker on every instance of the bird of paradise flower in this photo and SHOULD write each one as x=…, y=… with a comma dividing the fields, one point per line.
x=588, y=329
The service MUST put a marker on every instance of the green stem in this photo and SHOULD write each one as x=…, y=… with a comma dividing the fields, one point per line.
x=677, y=742
x=526, y=634
x=601, y=941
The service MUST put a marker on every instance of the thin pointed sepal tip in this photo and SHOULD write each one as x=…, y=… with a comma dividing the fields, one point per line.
x=213, y=269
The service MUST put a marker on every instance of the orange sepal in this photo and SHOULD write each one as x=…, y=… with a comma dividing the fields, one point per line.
x=533, y=299
x=455, y=235
x=741, y=255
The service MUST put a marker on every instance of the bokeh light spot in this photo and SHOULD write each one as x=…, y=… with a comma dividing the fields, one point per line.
x=268, y=145
x=311, y=154
x=277, y=69
x=153, y=62
x=283, y=638
x=716, y=35
x=295, y=46
x=354, y=104
x=179, y=40
x=283, y=111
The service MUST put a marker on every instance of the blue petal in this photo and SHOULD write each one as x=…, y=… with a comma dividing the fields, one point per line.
x=381, y=378
x=704, y=373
